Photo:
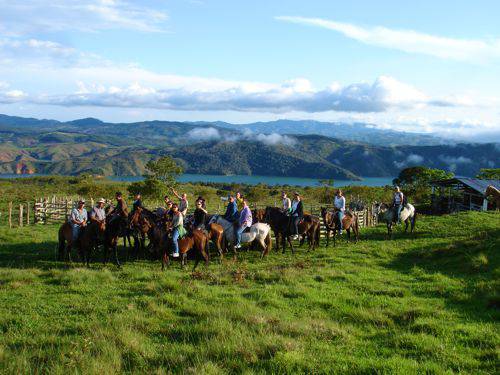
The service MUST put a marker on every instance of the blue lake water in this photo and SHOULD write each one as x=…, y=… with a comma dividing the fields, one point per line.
x=250, y=180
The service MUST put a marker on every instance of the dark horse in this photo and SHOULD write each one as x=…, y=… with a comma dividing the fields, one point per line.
x=331, y=221
x=65, y=236
x=197, y=241
x=114, y=230
x=91, y=235
x=281, y=224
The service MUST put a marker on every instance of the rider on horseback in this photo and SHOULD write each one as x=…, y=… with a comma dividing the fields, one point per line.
x=397, y=203
x=339, y=205
x=287, y=204
x=137, y=203
x=177, y=228
x=231, y=210
x=78, y=220
x=245, y=221
x=297, y=214
x=98, y=214
x=200, y=216
x=120, y=212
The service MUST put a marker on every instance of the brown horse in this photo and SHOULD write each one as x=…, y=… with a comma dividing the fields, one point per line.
x=216, y=235
x=65, y=236
x=258, y=215
x=349, y=222
x=493, y=192
x=89, y=240
x=141, y=223
x=114, y=227
x=282, y=227
x=198, y=241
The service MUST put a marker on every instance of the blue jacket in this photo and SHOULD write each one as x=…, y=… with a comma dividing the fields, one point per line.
x=231, y=211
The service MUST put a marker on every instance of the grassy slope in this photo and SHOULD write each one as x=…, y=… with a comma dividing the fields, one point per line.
x=401, y=306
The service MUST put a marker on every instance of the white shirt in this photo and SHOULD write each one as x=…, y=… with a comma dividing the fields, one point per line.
x=286, y=203
x=339, y=203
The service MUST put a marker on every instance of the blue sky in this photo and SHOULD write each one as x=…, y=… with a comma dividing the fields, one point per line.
x=426, y=66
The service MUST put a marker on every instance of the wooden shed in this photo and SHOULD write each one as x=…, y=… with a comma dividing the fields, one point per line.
x=461, y=194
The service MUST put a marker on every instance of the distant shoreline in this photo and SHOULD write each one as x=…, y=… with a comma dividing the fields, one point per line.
x=244, y=179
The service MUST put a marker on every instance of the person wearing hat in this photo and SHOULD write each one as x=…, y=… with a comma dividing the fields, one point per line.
x=98, y=214
x=297, y=214
x=231, y=210
x=397, y=202
x=78, y=219
x=121, y=209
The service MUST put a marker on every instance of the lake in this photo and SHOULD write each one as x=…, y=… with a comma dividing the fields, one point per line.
x=250, y=180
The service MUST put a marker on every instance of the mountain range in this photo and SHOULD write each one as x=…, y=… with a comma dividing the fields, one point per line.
x=279, y=148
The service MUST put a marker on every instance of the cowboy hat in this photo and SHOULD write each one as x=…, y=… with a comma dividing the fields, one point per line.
x=101, y=200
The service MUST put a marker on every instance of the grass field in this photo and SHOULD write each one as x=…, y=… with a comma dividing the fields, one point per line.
x=424, y=305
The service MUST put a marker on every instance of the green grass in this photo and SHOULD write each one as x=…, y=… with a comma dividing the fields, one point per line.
x=427, y=304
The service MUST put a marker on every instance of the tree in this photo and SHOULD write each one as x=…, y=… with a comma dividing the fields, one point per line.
x=416, y=181
x=165, y=170
x=489, y=174
x=161, y=174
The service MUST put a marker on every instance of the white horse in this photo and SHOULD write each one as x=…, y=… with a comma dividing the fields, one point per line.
x=259, y=232
x=388, y=215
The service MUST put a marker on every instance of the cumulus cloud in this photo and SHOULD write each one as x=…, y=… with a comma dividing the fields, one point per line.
x=8, y=95
x=384, y=93
x=204, y=134
x=470, y=50
x=453, y=161
x=27, y=16
x=412, y=159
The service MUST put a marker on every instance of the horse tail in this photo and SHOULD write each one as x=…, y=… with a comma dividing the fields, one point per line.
x=269, y=241
x=413, y=220
x=317, y=234
x=61, y=245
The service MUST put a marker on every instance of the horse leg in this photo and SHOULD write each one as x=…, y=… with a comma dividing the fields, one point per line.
x=327, y=237
x=348, y=234
x=115, y=247
x=183, y=259
x=290, y=243
x=406, y=225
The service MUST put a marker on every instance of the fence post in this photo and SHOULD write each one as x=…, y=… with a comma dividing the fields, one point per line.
x=10, y=214
x=20, y=215
x=27, y=213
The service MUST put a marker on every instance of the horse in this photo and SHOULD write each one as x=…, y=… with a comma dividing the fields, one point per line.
x=142, y=222
x=492, y=191
x=197, y=240
x=216, y=235
x=349, y=222
x=259, y=233
x=282, y=227
x=65, y=237
x=387, y=214
x=258, y=215
x=114, y=227
x=89, y=239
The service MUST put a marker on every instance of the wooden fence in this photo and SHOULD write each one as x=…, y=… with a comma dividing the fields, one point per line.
x=54, y=209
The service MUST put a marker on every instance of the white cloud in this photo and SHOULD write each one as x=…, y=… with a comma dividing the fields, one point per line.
x=470, y=50
x=8, y=96
x=204, y=134
x=274, y=139
x=410, y=160
x=384, y=93
x=28, y=16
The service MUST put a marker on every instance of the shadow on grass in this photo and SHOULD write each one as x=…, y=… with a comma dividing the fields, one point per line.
x=43, y=256
x=463, y=272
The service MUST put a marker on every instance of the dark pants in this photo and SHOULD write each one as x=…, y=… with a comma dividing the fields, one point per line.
x=295, y=224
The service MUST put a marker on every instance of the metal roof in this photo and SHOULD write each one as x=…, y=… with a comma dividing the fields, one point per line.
x=473, y=183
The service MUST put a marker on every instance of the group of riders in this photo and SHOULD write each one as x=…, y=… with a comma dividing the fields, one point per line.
x=237, y=212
